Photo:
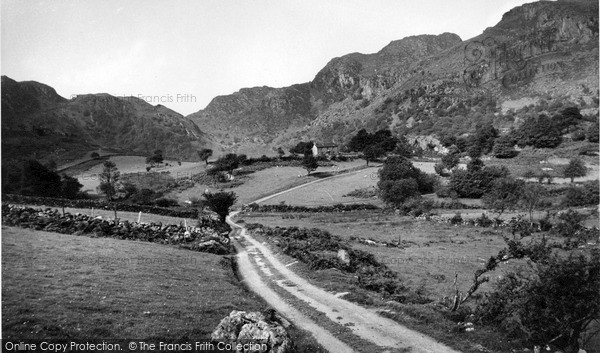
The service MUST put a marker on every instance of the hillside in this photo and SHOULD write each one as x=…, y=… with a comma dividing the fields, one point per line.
x=38, y=123
x=543, y=53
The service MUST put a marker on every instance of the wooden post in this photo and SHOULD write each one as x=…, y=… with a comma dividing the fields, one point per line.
x=115, y=209
x=92, y=212
x=139, y=217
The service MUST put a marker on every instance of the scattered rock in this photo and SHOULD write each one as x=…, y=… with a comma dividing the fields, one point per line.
x=343, y=256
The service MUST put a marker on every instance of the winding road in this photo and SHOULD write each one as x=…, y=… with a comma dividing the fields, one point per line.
x=260, y=270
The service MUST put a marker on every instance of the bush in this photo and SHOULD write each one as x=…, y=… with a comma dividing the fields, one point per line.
x=395, y=192
x=416, y=207
x=456, y=219
x=483, y=221
x=504, y=148
x=585, y=195
x=553, y=302
x=569, y=223
x=475, y=181
x=164, y=202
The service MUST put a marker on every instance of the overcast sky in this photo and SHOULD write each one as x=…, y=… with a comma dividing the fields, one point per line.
x=203, y=48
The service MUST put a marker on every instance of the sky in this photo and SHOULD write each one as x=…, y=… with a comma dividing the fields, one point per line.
x=183, y=53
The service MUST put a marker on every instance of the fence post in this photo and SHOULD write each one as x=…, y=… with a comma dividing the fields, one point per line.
x=139, y=217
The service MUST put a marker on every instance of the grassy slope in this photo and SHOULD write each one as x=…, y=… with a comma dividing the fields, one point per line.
x=331, y=191
x=58, y=285
x=63, y=286
x=267, y=181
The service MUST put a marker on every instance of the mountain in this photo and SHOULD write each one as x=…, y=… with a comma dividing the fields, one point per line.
x=543, y=54
x=39, y=123
x=260, y=115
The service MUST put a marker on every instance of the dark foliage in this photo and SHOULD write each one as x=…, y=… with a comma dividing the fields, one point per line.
x=220, y=202
x=476, y=180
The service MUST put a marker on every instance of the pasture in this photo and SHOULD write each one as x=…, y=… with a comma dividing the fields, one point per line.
x=136, y=164
x=267, y=181
x=57, y=286
x=63, y=286
x=430, y=253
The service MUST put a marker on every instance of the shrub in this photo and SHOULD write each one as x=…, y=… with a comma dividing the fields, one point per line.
x=569, y=223
x=483, y=221
x=164, y=202
x=220, y=203
x=395, y=192
x=416, y=206
x=553, y=302
x=456, y=219
x=588, y=194
x=504, y=148
x=476, y=180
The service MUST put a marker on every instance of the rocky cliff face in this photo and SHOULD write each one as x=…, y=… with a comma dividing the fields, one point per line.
x=37, y=123
x=261, y=115
x=425, y=84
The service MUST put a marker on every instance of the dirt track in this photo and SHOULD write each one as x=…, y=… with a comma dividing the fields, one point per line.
x=259, y=267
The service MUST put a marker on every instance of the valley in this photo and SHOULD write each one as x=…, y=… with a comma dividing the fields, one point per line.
x=439, y=194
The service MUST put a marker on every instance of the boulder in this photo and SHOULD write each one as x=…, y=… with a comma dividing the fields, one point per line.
x=255, y=327
x=343, y=256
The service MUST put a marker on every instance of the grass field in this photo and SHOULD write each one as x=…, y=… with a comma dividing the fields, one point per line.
x=331, y=191
x=135, y=164
x=69, y=287
x=432, y=252
x=431, y=255
x=265, y=182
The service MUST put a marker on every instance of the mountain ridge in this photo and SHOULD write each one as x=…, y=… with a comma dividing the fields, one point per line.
x=39, y=123
x=537, y=49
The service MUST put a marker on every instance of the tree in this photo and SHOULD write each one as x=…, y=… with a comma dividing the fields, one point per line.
x=310, y=163
x=227, y=163
x=39, y=180
x=371, y=153
x=70, y=187
x=476, y=180
x=205, y=154
x=400, y=180
x=531, y=197
x=451, y=159
x=109, y=179
x=540, y=132
x=504, y=147
x=95, y=155
x=382, y=138
x=396, y=192
x=360, y=141
x=156, y=158
x=483, y=140
x=220, y=203
x=575, y=169
x=568, y=117
x=403, y=148
x=504, y=194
